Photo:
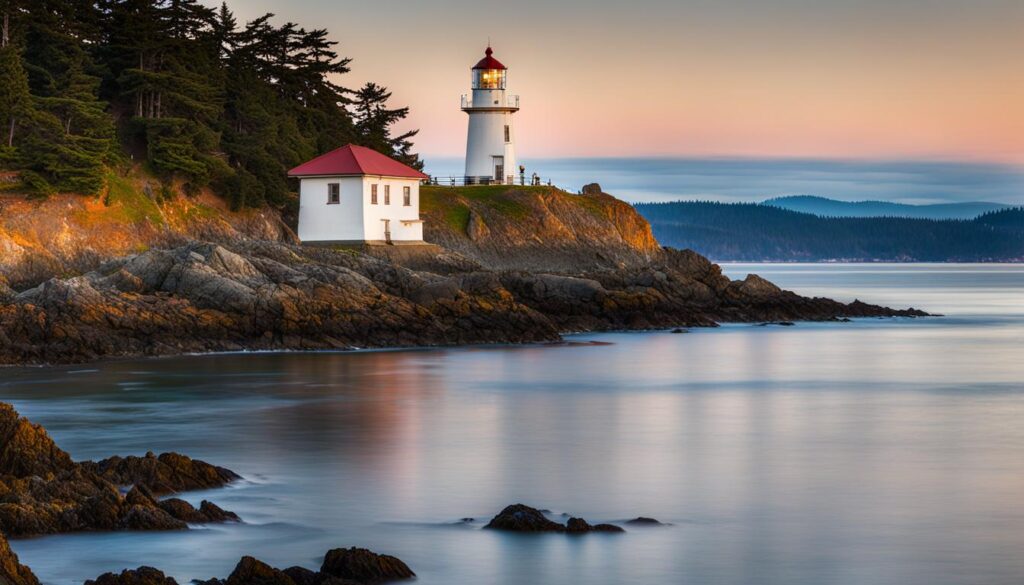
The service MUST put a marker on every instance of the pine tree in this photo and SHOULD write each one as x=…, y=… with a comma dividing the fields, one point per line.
x=374, y=122
x=15, y=100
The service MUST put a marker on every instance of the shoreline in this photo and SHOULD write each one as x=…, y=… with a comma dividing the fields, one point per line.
x=480, y=345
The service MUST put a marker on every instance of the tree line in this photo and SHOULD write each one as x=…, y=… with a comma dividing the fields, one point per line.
x=754, y=232
x=90, y=84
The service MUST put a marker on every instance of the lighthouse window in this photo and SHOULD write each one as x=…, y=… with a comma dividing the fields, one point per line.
x=387, y=194
x=406, y=196
x=373, y=194
x=333, y=193
x=508, y=134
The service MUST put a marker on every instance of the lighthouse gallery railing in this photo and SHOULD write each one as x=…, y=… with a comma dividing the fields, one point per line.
x=511, y=101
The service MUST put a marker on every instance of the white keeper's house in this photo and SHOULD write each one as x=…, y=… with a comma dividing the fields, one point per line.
x=356, y=195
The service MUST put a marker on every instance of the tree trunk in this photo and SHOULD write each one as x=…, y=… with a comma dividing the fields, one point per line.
x=10, y=133
x=5, y=33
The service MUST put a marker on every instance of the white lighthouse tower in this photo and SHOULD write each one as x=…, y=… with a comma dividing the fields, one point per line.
x=490, y=144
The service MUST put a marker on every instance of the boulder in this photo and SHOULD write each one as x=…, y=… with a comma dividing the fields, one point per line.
x=250, y=571
x=364, y=566
x=644, y=521
x=140, y=576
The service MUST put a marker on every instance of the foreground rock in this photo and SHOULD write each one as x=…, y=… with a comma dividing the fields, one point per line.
x=12, y=572
x=353, y=566
x=168, y=473
x=364, y=566
x=267, y=295
x=42, y=491
x=522, y=518
x=140, y=576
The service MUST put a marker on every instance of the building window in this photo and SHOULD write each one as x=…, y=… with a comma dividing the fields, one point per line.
x=407, y=196
x=508, y=133
x=333, y=193
x=373, y=194
x=387, y=194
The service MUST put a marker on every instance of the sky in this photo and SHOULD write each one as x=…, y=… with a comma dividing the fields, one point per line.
x=847, y=80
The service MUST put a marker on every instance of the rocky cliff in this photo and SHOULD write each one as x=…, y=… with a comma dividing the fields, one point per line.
x=537, y=228
x=513, y=265
x=70, y=234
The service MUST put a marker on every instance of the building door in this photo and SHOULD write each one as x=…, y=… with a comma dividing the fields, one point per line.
x=387, y=230
x=499, y=169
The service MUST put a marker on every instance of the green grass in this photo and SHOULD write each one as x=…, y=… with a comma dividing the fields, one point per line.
x=501, y=199
x=135, y=205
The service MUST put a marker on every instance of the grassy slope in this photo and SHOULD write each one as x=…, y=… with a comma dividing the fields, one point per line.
x=67, y=234
x=536, y=227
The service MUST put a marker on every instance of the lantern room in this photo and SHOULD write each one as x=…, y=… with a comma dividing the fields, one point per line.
x=489, y=73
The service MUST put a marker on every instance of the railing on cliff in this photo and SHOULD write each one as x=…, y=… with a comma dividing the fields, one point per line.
x=455, y=181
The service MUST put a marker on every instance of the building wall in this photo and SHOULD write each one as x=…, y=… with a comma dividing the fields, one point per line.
x=486, y=137
x=374, y=215
x=321, y=222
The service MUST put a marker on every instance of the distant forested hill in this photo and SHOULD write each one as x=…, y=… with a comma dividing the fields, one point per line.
x=753, y=232
x=831, y=208
x=199, y=98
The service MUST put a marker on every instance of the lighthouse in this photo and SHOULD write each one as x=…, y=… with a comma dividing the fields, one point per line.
x=490, y=143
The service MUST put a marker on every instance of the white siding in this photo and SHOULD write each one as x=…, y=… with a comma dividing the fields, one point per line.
x=322, y=222
x=355, y=219
x=395, y=212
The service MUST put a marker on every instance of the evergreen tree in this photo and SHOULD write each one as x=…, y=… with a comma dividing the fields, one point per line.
x=374, y=121
x=15, y=100
x=182, y=87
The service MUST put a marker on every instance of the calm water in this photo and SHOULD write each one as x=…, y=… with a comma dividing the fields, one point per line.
x=752, y=179
x=875, y=452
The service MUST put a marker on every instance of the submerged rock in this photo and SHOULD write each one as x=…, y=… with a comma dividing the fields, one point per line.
x=581, y=526
x=364, y=566
x=522, y=518
x=644, y=521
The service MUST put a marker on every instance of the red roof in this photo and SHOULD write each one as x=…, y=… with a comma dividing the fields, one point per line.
x=352, y=160
x=489, y=62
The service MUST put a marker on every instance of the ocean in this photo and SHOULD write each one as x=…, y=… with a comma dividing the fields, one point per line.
x=882, y=451
x=755, y=179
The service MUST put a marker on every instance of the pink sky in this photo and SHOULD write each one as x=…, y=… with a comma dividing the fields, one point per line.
x=939, y=79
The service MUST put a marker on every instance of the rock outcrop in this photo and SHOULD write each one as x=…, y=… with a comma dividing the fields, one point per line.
x=522, y=518
x=538, y=229
x=42, y=491
x=353, y=566
x=266, y=295
x=507, y=265
x=163, y=474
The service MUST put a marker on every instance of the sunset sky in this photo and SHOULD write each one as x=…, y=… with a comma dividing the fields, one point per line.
x=917, y=79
